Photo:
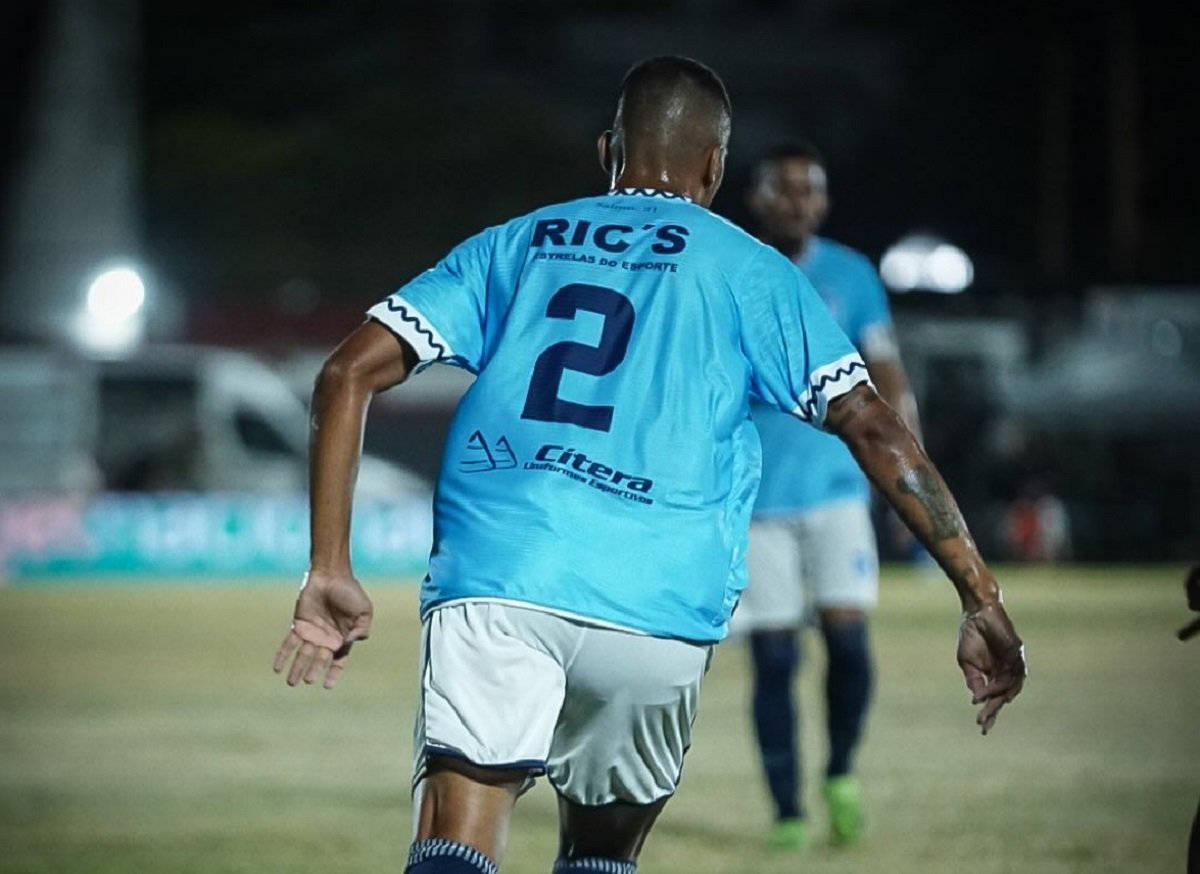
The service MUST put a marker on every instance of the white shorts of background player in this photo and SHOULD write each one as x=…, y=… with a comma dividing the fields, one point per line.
x=806, y=561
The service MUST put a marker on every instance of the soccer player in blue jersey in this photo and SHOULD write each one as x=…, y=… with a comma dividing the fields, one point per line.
x=596, y=489
x=812, y=549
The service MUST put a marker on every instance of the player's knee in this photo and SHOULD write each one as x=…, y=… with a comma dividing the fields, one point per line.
x=847, y=640
x=832, y=617
x=456, y=769
x=460, y=819
x=776, y=654
x=605, y=837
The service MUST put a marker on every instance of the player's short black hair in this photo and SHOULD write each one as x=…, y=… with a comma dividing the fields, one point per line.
x=793, y=148
x=669, y=71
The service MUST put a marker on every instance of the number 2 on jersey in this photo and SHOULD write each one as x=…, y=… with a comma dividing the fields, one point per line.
x=543, y=403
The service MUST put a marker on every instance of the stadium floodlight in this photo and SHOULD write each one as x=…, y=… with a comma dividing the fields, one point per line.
x=113, y=318
x=901, y=267
x=922, y=262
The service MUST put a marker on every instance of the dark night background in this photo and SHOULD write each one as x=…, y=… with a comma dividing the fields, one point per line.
x=315, y=154
x=299, y=160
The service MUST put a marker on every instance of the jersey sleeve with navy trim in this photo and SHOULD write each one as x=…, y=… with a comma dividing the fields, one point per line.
x=441, y=312
x=815, y=362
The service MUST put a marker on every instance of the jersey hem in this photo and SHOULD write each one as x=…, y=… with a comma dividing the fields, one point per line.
x=540, y=608
x=571, y=617
x=801, y=509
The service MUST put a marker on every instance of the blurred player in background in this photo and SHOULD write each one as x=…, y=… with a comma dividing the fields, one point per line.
x=812, y=546
x=594, y=498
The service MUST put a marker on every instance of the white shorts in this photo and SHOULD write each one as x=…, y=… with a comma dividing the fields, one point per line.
x=799, y=562
x=605, y=714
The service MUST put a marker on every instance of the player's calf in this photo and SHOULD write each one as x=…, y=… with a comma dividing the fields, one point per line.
x=848, y=684
x=776, y=658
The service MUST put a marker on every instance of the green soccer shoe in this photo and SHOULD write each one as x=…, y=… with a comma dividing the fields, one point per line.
x=845, y=810
x=788, y=835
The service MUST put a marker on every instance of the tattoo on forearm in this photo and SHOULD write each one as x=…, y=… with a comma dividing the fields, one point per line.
x=923, y=483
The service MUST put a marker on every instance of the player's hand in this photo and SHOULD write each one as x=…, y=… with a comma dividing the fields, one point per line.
x=992, y=659
x=1192, y=588
x=332, y=612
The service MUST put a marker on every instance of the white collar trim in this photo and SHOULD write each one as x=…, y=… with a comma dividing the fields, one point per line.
x=651, y=192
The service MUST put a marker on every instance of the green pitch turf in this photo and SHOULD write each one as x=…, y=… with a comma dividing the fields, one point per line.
x=141, y=731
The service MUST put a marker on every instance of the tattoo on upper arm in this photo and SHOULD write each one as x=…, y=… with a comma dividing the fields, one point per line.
x=923, y=483
x=850, y=405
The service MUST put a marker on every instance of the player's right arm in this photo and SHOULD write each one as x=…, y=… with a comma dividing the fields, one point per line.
x=372, y=359
x=332, y=610
x=438, y=316
x=990, y=652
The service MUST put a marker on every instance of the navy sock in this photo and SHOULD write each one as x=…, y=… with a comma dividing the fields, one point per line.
x=847, y=691
x=776, y=655
x=594, y=865
x=441, y=856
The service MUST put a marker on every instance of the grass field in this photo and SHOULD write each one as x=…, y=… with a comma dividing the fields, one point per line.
x=142, y=731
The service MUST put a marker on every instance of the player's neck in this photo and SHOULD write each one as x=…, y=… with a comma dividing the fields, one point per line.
x=663, y=179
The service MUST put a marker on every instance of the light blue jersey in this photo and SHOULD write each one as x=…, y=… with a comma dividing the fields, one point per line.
x=603, y=465
x=802, y=467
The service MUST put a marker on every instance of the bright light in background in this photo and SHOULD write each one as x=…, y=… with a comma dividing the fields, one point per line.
x=116, y=295
x=926, y=263
x=113, y=318
x=901, y=268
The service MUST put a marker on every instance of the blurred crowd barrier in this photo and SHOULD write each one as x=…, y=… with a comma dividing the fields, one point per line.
x=43, y=538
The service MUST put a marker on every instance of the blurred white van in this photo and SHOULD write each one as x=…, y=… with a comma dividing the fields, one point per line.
x=168, y=418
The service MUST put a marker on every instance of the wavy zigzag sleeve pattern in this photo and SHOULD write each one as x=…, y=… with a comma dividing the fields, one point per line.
x=828, y=383
x=407, y=322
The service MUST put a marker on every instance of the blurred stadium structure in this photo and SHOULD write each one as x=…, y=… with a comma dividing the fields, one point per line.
x=263, y=172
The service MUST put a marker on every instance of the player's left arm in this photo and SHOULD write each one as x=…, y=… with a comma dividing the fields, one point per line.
x=890, y=380
x=332, y=610
x=990, y=652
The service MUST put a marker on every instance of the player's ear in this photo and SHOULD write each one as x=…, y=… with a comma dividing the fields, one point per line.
x=604, y=148
x=822, y=201
x=763, y=190
x=817, y=209
x=714, y=169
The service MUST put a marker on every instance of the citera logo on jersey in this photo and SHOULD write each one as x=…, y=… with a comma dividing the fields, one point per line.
x=482, y=457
